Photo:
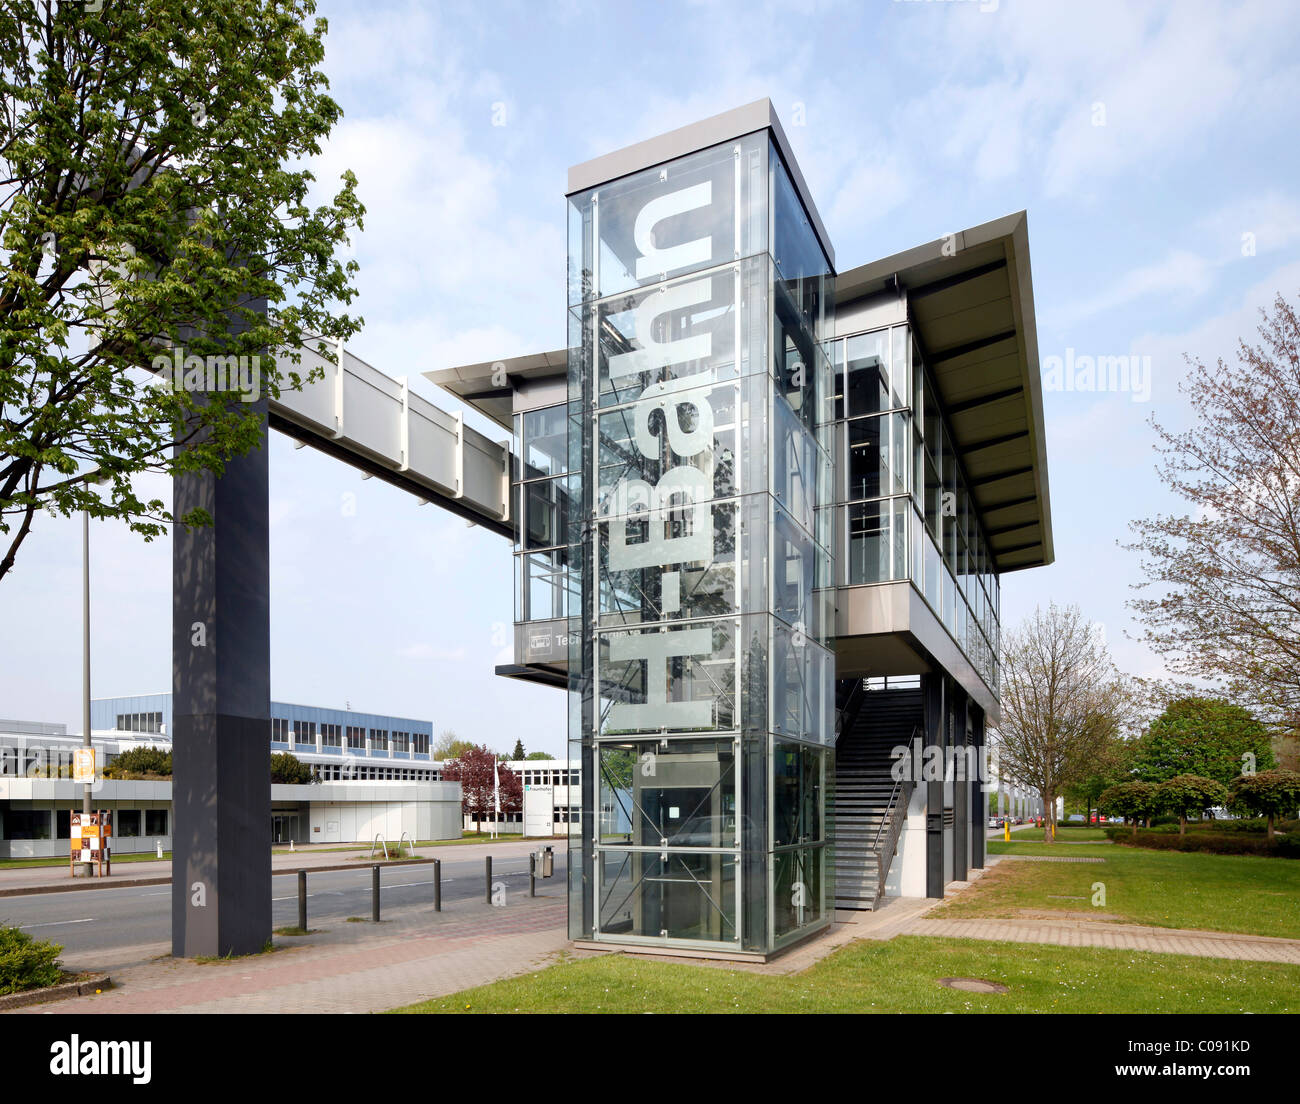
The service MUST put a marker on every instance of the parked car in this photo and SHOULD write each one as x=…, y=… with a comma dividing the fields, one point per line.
x=1073, y=817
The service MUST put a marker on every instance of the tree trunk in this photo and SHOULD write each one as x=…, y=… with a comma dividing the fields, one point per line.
x=1048, y=805
x=1182, y=824
x=1270, y=826
x=1135, y=829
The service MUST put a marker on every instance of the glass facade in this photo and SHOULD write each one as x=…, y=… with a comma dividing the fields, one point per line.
x=694, y=554
x=904, y=507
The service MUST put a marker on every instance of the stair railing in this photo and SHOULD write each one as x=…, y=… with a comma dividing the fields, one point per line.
x=891, y=824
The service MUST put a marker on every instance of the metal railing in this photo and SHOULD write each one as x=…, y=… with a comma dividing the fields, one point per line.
x=895, y=816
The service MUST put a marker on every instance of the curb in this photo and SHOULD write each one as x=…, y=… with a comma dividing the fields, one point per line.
x=56, y=992
x=59, y=887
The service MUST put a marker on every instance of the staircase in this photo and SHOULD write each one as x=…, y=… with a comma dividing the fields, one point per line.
x=863, y=787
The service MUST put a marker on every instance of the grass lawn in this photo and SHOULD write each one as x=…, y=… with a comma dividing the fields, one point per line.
x=146, y=856
x=899, y=976
x=468, y=837
x=1167, y=889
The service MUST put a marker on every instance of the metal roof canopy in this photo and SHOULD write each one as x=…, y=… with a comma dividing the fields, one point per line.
x=971, y=304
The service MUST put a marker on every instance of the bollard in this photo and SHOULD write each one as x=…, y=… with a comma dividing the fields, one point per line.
x=374, y=894
x=302, y=900
x=437, y=885
x=487, y=896
x=158, y=848
x=532, y=873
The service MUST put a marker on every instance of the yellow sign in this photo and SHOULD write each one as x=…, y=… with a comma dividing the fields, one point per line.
x=83, y=766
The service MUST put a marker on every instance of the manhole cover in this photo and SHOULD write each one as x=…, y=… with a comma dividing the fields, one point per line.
x=974, y=985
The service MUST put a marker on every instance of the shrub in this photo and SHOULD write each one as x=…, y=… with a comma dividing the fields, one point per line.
x=140, y=760
x=289, y=769
x=26, y=963
x=1225, y=843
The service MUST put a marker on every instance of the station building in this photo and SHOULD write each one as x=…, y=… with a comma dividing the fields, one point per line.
x=762, y=508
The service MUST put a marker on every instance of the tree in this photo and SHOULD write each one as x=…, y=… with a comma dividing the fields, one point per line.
x=537, y=756
x=1109, y=767
x=140, y=760
x=1207, y=737
x=1132, y=800
x=155, y=200
x=450, y=746
x=474, y=771
x=1225, y=577
x=518, y=753
x=1270, y=793
x=288, y=769
x=1062, y=701
x=1190, y=793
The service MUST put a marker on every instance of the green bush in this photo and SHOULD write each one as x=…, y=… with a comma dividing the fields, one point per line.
x=288, y=769
x=26, y=963
x=140, y=760
x=1216, y=843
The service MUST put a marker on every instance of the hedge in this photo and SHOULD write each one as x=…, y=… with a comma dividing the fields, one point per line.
x=1215, y=843
x=25, y=963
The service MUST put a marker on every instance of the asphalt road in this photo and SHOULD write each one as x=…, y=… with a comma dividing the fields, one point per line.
x=103, y=919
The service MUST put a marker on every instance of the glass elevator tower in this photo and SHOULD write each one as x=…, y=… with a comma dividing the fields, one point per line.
x=701, y=688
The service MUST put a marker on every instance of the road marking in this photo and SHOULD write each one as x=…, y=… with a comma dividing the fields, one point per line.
x=56, y=923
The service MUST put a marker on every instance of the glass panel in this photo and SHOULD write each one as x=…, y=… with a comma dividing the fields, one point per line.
x=797, y=892
x=548, y=588
x=670, y=679
x=877, y=541
x=548, y=506
x=669, y=793
x=796, y=793
x=670, y=220
x=677, y=895
x=866, y=367
x=546, y=442
x=878, y=452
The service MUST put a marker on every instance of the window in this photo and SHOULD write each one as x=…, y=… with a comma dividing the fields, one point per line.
x=63, y=824
x=379, y=739
x=304, y=734
x=331, y=735
x=421, y=743
x=126, y=822
x=279, y=730
x=26, y=824
x=402, y=741
x=545, y=445
x=356, y=738
x=155, y=822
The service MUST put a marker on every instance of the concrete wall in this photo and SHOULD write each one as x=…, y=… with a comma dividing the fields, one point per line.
x=355, y=812
x=53, y=795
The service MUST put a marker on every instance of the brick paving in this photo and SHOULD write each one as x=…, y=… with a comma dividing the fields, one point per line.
x=413, y=955
x=1124, y=937
x=1042, y=858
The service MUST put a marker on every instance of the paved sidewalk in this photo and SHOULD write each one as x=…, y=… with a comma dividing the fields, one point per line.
x=414, y=955
x=1124, y=937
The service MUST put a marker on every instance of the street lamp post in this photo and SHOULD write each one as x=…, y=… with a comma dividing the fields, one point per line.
x=88, y=868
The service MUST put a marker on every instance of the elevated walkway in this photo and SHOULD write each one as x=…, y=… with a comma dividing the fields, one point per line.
x=372, y=421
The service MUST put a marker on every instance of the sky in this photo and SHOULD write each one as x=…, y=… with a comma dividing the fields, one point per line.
x=1152, y=145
